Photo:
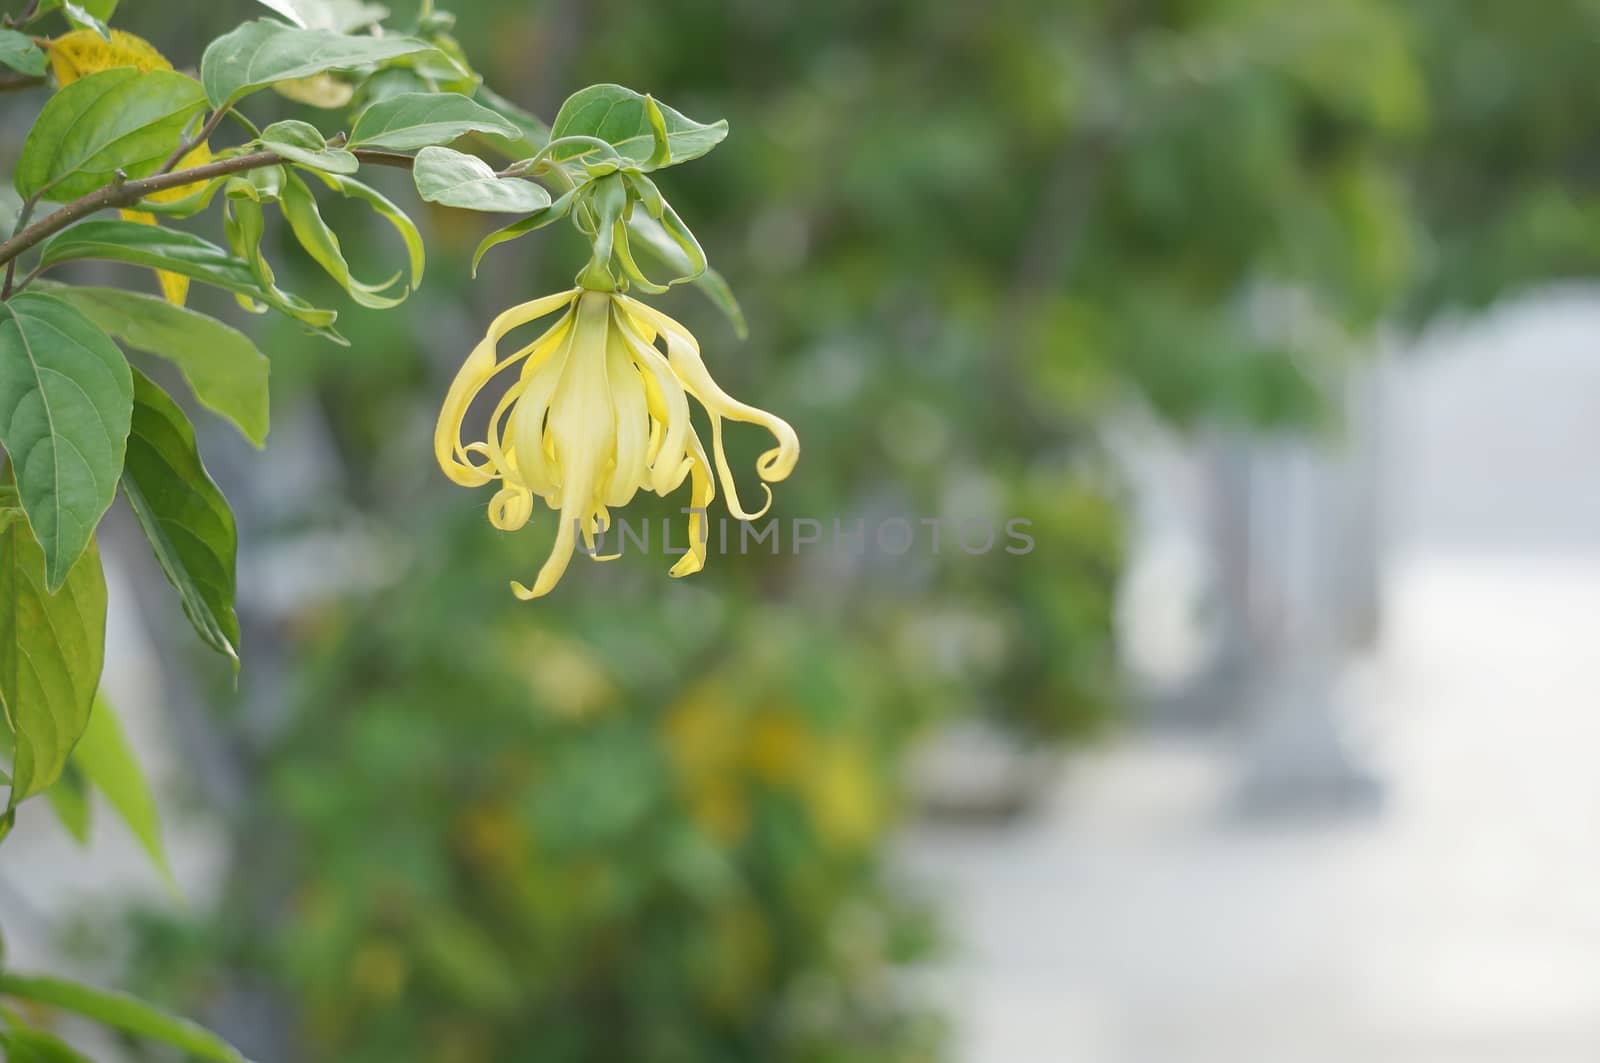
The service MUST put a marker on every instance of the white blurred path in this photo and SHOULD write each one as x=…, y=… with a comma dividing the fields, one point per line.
x=1136, y=921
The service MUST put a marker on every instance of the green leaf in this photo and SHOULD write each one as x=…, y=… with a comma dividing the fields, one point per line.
x=107, y=761
x=179, y=252
x=223, y=366
x=69, y=800
x=650, y=134
x=183, y=514
x=66, y=397
x=119, y=119
x=284, y=8
x=122, y=1012
x=714, y=287
x=465, y=181
x=350, y=188
x=51, y=650
x=262, y=52
x=537, y=220
x=305, y=144
x=322, y=244
x=24, y=1045
x=420, y=119
x=86, y=15
x=18, y=52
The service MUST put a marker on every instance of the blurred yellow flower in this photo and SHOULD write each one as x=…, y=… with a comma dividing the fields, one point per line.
x=597, y=412
x=81, y=52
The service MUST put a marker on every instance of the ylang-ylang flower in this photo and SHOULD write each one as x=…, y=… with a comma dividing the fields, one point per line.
x=594, y=411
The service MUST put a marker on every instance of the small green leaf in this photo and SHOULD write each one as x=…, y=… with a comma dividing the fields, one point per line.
x=18, y=52
x=122, y=1012
x=322, y=244
x=66, y=397
x=263, y=52
x=69, y=800
x=24, y=1045
x=178, y=252
x=183, y=514
x=302, y=142
x=51, y=650
x=465, y=181
x=635, y=125
x=107, y=761
x=350, y=188
x=420, y=119
x=715, y=288
x=119, y=119
x=537, y=220
x=81, y=15
x=223, y=366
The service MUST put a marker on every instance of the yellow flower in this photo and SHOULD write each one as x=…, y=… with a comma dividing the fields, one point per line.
x=596, y=413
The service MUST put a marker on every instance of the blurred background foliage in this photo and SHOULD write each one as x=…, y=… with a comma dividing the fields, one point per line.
x=645, y=820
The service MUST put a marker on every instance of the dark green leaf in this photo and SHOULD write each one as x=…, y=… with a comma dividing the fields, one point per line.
x=122, y=1012
x=118, y=119
x=225, y=369
x=420, y=119
x=635, y=125
x=466, y=181
x=66, y=397
x=183, y=514
x=51, y=650
x=262, y=52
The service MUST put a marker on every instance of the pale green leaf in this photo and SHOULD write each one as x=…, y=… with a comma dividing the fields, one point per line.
x=350, y=188
x=119, y=119
x=226, y=370
x=466, y=181
x=420, y=119
x=641, y=129
x=107, y=761
x=537, y=220
x=183, y=514
x=305, y=144
x=262, y=52
x=66, y=397
x=18, y=52
x=69, y=800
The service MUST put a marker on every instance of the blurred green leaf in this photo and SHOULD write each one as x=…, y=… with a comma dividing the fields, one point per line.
x=122, y=1012
x=69, y=800
x=262, y=52
x=107, y=761
x=18, y=52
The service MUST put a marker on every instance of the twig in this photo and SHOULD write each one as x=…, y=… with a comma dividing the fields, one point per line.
x=195, y=141
x=127, y=193
x=17, y=82
x=22, y=219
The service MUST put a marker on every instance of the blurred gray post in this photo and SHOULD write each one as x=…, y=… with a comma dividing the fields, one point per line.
x=1296, y=541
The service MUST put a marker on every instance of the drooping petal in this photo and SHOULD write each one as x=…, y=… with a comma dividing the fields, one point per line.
x=481, y=365
x=703, y=490
x=683, y=355
x=632, y=468
x=668, y=404
x=582, y=430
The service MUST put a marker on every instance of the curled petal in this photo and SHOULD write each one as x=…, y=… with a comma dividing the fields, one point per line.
x=703, y=490
x=475, y=372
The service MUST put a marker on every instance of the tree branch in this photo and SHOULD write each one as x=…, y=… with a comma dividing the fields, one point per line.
x=127, y=193
x=195, y=141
